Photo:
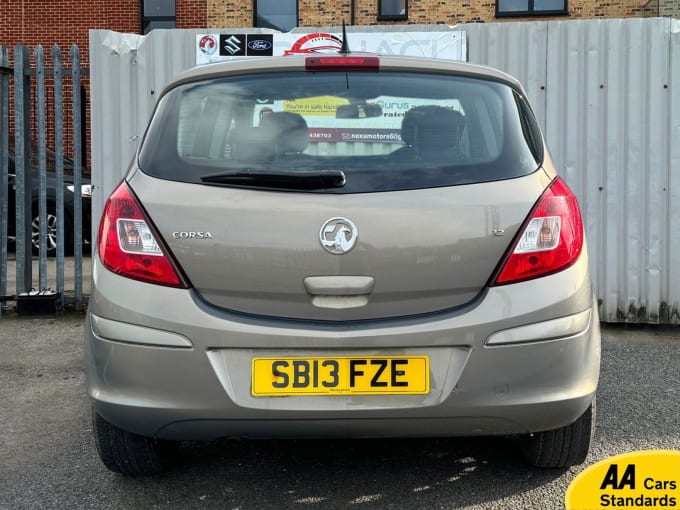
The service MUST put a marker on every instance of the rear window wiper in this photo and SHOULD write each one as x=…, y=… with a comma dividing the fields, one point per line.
x=283, y=179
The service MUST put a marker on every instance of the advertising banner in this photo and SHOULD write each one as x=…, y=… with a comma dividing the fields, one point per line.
x=219, y=47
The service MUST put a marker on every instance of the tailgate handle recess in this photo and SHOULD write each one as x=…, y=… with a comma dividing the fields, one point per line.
x=339, y=285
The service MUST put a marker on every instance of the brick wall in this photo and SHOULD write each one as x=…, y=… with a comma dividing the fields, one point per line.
x=63, y=22
x=324, y=12
x=239, y=13
x=616, y=9
x=191, y=13
x=669, y=8
x=229, y=13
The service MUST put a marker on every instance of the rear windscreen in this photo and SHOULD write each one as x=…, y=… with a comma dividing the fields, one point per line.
x=386, y=131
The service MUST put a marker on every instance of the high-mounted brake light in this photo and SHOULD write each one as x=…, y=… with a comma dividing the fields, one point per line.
x=128, y=244
x=342, y=63
x=550, y=240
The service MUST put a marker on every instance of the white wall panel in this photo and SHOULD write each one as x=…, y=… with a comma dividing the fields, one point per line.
x=519, y=52
x=672, y=220
x=611, y=105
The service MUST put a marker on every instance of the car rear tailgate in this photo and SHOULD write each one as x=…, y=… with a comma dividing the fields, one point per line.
x=419, y=250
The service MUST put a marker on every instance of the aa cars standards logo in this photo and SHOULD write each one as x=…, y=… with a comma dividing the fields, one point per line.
x=644, y=479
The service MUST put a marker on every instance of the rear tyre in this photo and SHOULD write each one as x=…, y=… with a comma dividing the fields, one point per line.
x=563, y=447
x=131, y=454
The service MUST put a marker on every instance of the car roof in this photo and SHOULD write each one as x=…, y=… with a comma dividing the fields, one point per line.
x=297, y=63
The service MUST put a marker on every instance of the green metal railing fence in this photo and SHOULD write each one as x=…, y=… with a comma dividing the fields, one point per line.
x=26, y=203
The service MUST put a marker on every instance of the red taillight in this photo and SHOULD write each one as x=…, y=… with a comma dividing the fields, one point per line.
x=128, y=244
x=332, y=63
x=550, y=240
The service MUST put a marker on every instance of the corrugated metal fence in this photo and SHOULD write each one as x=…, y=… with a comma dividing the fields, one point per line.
x=36, y=193
x=607, y=93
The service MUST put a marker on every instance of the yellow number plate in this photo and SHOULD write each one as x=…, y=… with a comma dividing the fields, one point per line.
x=370, y=375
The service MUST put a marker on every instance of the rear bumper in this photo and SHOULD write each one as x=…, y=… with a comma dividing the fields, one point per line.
x=200, y=387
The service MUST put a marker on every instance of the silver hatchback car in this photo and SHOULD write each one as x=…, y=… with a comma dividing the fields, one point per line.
x=341, y=245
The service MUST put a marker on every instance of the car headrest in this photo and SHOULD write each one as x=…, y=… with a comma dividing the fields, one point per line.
x=432, y=127
x=279, y=133
x=287, y=131
x=250, y=145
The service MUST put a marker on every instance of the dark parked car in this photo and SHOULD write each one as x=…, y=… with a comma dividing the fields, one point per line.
x=86, y=193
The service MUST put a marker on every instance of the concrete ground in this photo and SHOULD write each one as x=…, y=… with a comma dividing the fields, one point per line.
x=48, y=458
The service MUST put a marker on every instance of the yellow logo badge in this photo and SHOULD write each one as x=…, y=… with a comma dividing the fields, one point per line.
x=638, y=480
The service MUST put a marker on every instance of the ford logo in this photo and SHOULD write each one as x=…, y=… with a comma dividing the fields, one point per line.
x=259, y=45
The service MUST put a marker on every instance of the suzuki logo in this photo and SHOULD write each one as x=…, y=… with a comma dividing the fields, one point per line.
x=338, y=235
x=232, y=44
